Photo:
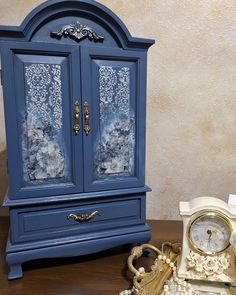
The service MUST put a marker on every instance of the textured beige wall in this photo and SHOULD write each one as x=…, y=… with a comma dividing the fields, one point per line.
x=191, y=126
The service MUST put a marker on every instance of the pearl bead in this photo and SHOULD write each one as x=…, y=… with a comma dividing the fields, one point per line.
x=166, y=288
x=180, y=286
x=141, y=270
x=176, y=279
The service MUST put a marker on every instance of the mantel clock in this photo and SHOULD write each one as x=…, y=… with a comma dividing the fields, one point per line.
x=208, y=258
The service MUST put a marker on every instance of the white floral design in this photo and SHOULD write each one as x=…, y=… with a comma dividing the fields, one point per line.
x=44, y=95
x=37, y=75
x=55, y=98
x=115, y=155
x=123, y=91
x=114, y=151
x=207, y=266
x=43, y=154
x=107, y=80
x=114, y=89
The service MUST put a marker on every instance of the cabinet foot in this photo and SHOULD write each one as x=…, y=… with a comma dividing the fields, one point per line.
x=15, y=272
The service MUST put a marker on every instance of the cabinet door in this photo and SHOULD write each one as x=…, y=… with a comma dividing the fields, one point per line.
x=114, y=97
x=44, y=153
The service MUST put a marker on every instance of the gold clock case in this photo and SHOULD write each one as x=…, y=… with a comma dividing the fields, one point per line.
x=203, y=213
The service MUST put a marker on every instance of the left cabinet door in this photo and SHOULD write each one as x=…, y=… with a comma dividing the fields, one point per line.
x=42, y=105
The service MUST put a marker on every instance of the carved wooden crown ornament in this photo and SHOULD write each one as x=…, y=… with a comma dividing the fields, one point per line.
x=77, y=31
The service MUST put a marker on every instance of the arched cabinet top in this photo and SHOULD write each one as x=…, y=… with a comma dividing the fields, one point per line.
x=74, y=22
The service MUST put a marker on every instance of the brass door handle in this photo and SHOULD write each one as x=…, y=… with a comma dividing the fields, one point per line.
x=87, y=127
x=83, y=217
x=76, y=126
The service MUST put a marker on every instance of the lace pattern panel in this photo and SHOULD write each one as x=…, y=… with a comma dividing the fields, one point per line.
x=114, y=151
x=42, y=144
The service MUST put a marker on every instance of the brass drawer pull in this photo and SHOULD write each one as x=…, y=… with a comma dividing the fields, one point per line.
x=83, y=217
x=76, y=126
x=87, y=127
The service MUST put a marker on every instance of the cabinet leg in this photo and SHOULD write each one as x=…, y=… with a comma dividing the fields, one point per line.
x=15, y=271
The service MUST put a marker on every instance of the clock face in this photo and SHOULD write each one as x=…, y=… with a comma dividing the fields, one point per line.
x=210, y=233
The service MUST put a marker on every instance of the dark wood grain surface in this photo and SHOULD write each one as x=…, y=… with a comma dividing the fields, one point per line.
x=98, y=274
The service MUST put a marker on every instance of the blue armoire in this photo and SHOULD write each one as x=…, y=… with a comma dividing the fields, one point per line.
x=74, y=86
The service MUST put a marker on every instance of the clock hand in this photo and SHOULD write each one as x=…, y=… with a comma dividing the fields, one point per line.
x=209, y=232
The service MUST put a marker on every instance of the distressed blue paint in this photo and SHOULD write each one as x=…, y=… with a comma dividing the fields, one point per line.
x=39, y=206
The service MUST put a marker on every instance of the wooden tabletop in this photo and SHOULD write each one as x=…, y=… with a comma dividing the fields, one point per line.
x=98, y=274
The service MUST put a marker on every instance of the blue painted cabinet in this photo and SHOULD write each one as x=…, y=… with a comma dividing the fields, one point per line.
x=74, y=84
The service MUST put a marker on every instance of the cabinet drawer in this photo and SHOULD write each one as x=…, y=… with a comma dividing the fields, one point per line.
x=48, y=222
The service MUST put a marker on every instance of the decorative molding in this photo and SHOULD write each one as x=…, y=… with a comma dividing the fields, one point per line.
x=78, y=31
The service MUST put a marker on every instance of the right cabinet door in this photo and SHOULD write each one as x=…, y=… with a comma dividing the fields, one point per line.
x=114, y=109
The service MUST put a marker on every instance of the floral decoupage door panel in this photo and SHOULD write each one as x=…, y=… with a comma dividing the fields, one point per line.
x=44, y=154
x=44, y=99
x=116, y=143
x=114, y=147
